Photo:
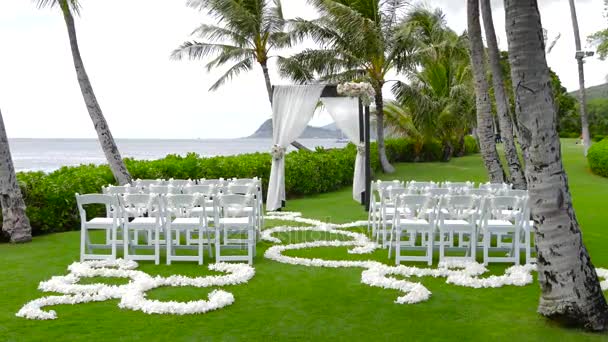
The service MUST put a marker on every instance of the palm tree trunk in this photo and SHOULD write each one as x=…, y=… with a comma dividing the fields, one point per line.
x=485, y=130
x=570, y=290
x=108, y=145
x=582, y=97
x=264, y=65
x=516, y=172
x=14, y=219
x=386, y=165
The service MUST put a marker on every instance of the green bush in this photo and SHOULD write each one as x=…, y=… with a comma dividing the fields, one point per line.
x=598, y=158
x=598, y=137
x=470, y=145
x=51, y=204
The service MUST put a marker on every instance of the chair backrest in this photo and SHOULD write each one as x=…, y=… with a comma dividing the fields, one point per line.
x=245, y=181
x=109, y=201
x=233, y=205
x=438, y=191
x=415, y=206
x=420, y=187
x=380, y=185
x=478, y=192
x=457, y=187
x=159, y=189
x=460, y=207
x=180, y=205
x=179, y=182
x=508, y=208
x=216, y=182
x=495, y=187
x=119, y=189
x=147, y=182
x=241, y=189
x=207, y=190
x=140, y=201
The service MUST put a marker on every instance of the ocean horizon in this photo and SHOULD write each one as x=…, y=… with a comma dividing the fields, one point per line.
x=31, y=154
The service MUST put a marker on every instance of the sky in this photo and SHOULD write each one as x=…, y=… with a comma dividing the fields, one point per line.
x=125, y=45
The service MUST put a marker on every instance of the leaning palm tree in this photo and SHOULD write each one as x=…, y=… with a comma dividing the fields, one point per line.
x=485, y=125
x=248, y=32
x=359, y=41
x=582, y=97
x=15, y=223
x=570, y=290
x=108, y=145
x=503, y=110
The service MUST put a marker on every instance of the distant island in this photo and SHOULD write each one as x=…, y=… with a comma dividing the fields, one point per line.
x=311, y=132
x=330, y=131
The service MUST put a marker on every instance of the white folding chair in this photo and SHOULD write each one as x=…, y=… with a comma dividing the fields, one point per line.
x=179, y=183
x=205, y=205
x=151, y=225
x=388, y=209
x=413, y=218
x=181, y=219
x=495, y=188
x=501, y=216
x=109, y=224
x=458, y=214
x=232, y=218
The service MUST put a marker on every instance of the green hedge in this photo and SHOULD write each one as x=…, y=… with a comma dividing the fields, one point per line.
x=51, y=204
x=598, y=158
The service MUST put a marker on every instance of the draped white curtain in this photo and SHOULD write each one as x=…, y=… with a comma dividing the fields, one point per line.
x=345, y=112
x=292, y=109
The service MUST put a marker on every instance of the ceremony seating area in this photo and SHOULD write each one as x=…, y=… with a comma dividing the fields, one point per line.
x=176, y=215
x=451, y=217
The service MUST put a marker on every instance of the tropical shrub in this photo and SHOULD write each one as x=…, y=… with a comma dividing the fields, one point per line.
x=598, y=158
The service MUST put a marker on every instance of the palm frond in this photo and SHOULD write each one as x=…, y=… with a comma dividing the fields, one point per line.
x=73, y=5
x=197, y=50
x=214, y=33
x=235, y=70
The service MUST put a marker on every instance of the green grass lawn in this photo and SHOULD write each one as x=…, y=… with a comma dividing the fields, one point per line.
x=301, y=303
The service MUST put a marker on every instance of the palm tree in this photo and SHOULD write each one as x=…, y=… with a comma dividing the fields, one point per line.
x=14, y=219
x=503, y=110
x=247, y=33
x=485, y=125
x=570, y=290
x=582, y=98
x=439, y=96
x=108, y=145
x=359, y=41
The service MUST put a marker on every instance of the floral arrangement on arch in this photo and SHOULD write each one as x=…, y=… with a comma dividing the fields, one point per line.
x=278, y=152
x=362, y=90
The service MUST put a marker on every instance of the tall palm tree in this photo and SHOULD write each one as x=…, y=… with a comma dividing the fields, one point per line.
x=108, y=145
x=439, y=96
x=14, y=219
x=503, y=110
x=359, y=40
x=582, y=97
x=485, y=125
x=570, y=290
x=247, y=33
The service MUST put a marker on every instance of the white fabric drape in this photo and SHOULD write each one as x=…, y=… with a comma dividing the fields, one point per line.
x=292, y=109
x=345, y=112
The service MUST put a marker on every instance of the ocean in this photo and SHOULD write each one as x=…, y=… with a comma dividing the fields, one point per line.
x=50, y=154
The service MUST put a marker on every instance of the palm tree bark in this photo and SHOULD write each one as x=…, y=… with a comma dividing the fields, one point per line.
x=516, y=173
x=570, y=290
x=108, y=145
x=264, y=65
x=15, y=223
x=485, y=126
x=582, y=96
x=386, y=165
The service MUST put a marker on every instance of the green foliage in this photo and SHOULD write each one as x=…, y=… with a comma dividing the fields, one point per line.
x=598, y=158
x=51, y=204
x=600, y=38
x=597, y=115
x=470, y=145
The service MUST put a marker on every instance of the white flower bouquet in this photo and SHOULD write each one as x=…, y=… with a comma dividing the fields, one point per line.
x=278, y=152
x=362, y=90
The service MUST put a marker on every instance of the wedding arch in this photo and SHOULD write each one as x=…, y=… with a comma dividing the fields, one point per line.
x=293, y=108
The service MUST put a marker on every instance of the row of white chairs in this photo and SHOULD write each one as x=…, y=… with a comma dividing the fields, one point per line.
x=202, y=217
x=502, y=213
